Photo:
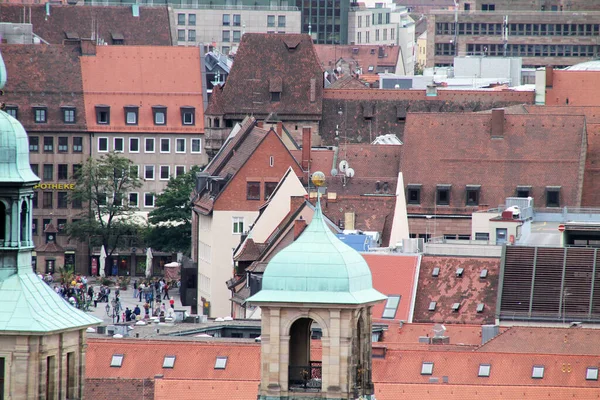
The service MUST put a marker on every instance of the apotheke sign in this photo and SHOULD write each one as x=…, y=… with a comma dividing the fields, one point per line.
x=55, y=186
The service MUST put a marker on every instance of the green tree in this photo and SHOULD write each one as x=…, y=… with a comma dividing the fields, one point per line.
x=171, y=219
x=103, y=185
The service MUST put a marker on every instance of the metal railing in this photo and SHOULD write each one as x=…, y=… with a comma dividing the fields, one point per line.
x=306, y=377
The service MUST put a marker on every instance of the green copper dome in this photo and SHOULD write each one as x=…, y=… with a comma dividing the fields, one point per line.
x=14, y=152
x=317, y=268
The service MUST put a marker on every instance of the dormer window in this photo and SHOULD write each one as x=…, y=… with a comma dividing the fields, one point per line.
x=117, y=38
x=103, y=115
x=187, y=115
x=160, y=115
x=68, y=114
x=275, y=88
x=131, y=115
x=40, y=114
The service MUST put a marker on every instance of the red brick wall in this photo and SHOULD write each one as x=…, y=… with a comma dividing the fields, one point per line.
x=580, y=87
x=257, y=169
x=118, y=389
x=440, y=226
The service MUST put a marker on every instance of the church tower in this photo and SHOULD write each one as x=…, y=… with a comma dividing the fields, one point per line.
x=42, y=337
x=316, y=282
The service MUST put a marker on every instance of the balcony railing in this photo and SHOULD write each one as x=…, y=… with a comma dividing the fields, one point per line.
x=306, y=377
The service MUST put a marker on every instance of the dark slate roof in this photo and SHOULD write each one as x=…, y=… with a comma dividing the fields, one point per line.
x=447, y=288
x=41, y=75
x=536, y=150
x=152, y=27
x=263, y=59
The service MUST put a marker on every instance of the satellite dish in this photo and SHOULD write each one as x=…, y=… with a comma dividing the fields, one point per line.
x=344, y=165
x=350, y=172
x=334, y=172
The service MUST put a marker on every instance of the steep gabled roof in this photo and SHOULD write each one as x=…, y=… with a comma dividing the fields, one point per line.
x=151, y=27
x=261, y=63
x=362, y=56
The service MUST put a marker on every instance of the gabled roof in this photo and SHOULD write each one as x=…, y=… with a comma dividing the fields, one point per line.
x=150, y=28
x=361, y=56
x=453, y=285
x=53, y=70
x=147, y=76
x=264, y=58
x=348, y=82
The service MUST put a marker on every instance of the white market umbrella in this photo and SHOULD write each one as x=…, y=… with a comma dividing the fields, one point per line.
x=102, y=261
x=148, y=262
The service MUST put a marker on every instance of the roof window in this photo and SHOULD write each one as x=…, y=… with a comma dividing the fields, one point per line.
x=537, y=372
x=391, y=306
x=436, y=272
x=169, y=362
x=484, y=370
x=459, y=272
x=455, y=307
x=117, y=360
x=432, y=306
x=427, y=368
x=483, y=274
x=220, y=362
x=591, y=374
x=480, y=307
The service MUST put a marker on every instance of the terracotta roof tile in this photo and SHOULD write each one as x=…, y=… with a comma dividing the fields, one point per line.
x=348, y=82
x=118, y=388
x=468, y=289
x=262, y=58
x=462, y=152
x=166, y=389
x=362, y=56
x=148, y=76
x=150, y=28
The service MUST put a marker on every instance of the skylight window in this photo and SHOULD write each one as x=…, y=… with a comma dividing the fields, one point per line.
x=483, y=274
x=480, y=307
x=432, y=306
x=538, y=372
x=459, y=272
x=391, y=306
x=455, y=307
x=436, y=272
x=221, y=363
x=591, y=374
x=169, y=362
x=484, y=370
x=117, y=360
x=427, y=368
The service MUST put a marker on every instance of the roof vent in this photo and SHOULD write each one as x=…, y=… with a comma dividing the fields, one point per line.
x=291, y=42
x=459, y=272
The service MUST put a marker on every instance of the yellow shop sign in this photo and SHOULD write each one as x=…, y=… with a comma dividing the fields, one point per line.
x=55, y=186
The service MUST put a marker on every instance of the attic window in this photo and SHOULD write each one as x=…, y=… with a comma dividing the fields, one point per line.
x=401, y=113
x=427, y=368
x=391, y=306
x=523, y=191
x=459, y=272
x=436, y=272
x=368, y=111
x=131, y=115
x=291, y=43
x=473, y=195
x=443, y=194
x=117, y=38
x=103, y=115
x=413, y=194
x=455, y=307
x=187, y=115
x=483, y=274
x=480, y=307
x=117, y=360
x=484, y=370
x=432, y=306
x=220, y=362
x=71, y=35
x=537, y=372
x=591, y=374
x=169, y=362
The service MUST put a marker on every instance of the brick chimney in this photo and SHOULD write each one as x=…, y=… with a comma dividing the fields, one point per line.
x=306, y=142
x=279, y=129
x=295, y=202
x=260, y=124
x=549, y=76
x=299, y=226
x=498, y=122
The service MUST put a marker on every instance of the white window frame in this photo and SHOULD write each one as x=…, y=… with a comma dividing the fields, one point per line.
x=153, y=200
x=153, y=145
x=179, y=140
x=427, y=368
x=107, y=146
x=122, y=144
x=160, y=145
x=391, y=306
x=139, y=144
x=591, y=374
x=484, y=370
x=137, y=196
x=271, y=161
x=164, y=117
x=153, y=172
x=117, y=360
x=160, y=169
x=192, y=146
x=135, y=117
x=177, y=166
x=169, y=362
x=234, y=225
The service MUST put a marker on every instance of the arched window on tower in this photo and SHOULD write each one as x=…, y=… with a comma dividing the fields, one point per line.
x=24, y=217
x=304, y=373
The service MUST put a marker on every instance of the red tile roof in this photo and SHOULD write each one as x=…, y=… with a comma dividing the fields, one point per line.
x=262, y=57
x=361, y=56
x=180, y=389
x=118, y=388
x=462, y=152
x=147, y=76
x=406, y=336
x=446, y=289
x=348, y=82
x=150, y=28
x=394, y=275
x=144, y=359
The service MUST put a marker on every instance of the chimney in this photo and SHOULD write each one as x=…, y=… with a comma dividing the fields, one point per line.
x=279, y=129
x=260, y=124
x=306, y=139
x=295, y=202
x=498, y=122
x=549, y=76
x=88, y=47
x=299, y=226
x=313, y=90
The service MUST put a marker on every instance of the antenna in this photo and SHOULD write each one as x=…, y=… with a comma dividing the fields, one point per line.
x=350, y=172
x=344, y=166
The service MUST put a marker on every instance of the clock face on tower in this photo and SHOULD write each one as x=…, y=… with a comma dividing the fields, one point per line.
x=50, y=237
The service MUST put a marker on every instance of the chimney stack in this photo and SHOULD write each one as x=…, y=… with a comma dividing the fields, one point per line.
x=299, y=226
x=260, y=124
x=279, y=129
x=498, y=122
x=549, y=76
x=306, y=142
